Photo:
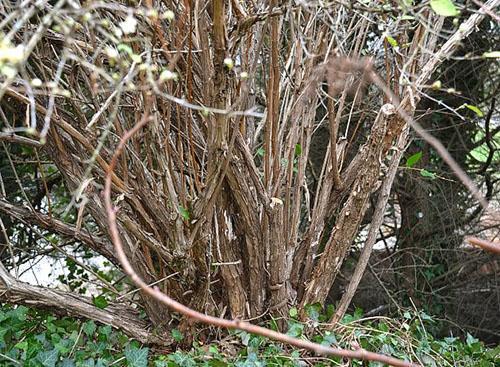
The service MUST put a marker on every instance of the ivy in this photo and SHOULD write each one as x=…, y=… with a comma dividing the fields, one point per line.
x=35, y=339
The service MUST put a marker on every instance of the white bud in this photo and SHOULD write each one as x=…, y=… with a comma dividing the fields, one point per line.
x=65, y=93
x=36, y=82
x=275, y=201
x=8, y=71
x=118, y=32
x=167, y=75
x=11, y=54
x=129, y=25
x=229, y=63
x=437, y=84
x=168, y=15
x=152, y=13
x=86, y=17
x=136, y=58
x=112, y=52
x=244, y=75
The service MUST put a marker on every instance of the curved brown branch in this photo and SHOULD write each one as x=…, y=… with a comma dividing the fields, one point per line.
x=360, y=354
x=485, y=245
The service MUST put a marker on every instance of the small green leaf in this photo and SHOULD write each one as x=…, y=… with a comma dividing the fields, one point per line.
x=446, y=8
x=412, y=160
x=177, y=335
x=213, y=349
x=22, y=345
x=492, y=54
x=425, y=173
x=67, y=363
x=295, y=329
x=329, y=339
x=184, y=213
x=100, y=302
x=313, y=311
x=391, y=41
x=245, y=338
x=298, y=150
x=260, y=152
x=125, y=48
x=480, y=153
x=88, y=363
x=475, y=109
x=137, y=357
x=293, y=312
x=49, y=358
x=89, y=328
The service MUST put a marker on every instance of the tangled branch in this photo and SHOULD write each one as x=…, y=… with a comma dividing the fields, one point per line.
x=154, y=292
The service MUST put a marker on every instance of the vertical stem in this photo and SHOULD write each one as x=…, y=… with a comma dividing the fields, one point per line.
x=375, y=224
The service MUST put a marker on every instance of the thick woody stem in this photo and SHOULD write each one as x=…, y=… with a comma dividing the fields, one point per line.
x=211, y=320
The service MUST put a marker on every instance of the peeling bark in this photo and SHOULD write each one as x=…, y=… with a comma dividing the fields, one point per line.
x=352, y=213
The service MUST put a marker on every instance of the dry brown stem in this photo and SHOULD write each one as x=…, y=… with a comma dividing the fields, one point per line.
x=210, y=320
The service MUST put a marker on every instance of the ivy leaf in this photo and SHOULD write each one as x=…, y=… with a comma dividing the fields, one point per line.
x=137, y=357
x=245, y=338
x=22, y=345
x=67, y=363
x=446, y=8
x=49, y=358
x=89, y=328
x=412, y=160
x=329, y=339
x=100, y=302
x=181, y=359
x=295, y=329
x=177, y=335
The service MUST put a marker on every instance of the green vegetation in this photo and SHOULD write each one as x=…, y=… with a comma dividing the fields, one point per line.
x=36, y=338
